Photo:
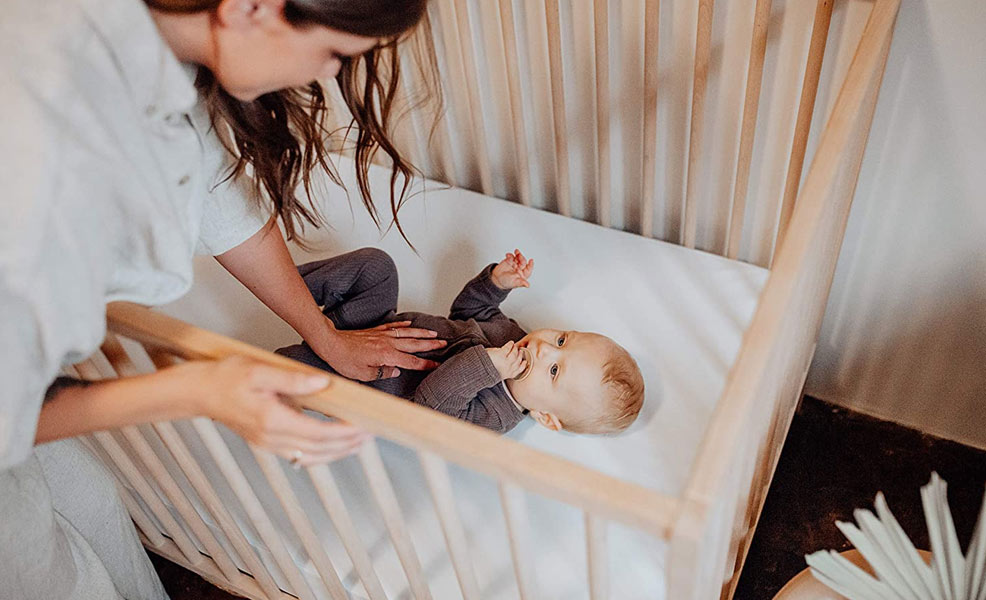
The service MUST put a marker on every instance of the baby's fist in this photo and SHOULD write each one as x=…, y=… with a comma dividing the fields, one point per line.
x=513, y=271
x=508, y=360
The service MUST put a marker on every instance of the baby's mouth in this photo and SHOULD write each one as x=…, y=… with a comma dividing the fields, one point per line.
x=528, y=364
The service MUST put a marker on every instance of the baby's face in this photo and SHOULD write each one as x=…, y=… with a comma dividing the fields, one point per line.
x=566, y=374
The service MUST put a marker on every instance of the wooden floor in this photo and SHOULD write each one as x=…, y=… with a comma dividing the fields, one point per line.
x=833, y=462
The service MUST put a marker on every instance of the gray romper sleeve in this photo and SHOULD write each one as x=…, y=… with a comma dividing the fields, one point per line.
x=457, y=388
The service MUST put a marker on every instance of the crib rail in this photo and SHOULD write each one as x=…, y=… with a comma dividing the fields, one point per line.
x=438, y=440
x=731, y=475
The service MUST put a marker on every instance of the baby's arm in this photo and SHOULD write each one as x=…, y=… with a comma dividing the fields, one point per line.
x=453, y=388
x=480, y=298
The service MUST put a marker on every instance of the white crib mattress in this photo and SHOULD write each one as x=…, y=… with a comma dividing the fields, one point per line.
x=681, y=313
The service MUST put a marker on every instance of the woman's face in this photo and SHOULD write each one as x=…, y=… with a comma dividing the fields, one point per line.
x=256, y=51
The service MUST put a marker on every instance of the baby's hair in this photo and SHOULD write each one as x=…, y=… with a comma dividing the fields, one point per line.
x=623, y=386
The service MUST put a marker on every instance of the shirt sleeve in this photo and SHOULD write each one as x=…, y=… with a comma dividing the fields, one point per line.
x=480, y=299
x=51, y=275
x=233, y=210
x=454, y=388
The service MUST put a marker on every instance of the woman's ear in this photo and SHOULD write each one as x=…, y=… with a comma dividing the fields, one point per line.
x=241, y=14
x=547, y=420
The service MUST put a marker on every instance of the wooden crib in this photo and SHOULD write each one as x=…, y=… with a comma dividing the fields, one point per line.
x=708, y=527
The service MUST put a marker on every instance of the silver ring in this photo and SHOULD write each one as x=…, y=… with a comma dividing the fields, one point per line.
x=295, y=460
x=380, y=372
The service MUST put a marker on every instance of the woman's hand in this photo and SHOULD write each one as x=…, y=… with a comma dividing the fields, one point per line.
x=508, y=360
x=377, y=353
x=246, y=396
x=513, y=271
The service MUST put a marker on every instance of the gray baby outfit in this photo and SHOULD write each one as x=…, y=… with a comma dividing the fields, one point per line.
x=359, y=289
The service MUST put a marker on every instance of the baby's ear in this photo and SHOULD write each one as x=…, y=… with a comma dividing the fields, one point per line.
x=547, y=420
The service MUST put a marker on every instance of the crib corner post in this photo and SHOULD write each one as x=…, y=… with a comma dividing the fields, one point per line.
x=684, y=565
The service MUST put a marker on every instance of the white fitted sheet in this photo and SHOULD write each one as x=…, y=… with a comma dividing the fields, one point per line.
x=681, y=313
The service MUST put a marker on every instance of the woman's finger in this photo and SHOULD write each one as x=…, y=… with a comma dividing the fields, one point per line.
x=285, y=420
x=409, y=361
x=393, y=324
x=416, y=345
x=365, y=373
x=293, y=443
x=281, y=381
x=301, y=457
x=412, y=332
x=405, y=329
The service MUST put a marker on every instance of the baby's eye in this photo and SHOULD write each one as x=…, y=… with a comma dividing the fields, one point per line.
x=561, y=341
x=553, y=370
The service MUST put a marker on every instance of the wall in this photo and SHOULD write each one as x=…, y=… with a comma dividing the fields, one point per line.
x=904, y=337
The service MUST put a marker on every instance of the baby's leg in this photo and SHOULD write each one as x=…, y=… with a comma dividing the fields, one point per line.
x=357, y=290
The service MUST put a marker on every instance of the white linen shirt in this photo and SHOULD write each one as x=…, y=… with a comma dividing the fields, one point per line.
x=111, y=181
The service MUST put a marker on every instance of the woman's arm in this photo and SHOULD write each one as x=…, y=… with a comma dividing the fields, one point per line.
x=240, y=393
x=262, y=264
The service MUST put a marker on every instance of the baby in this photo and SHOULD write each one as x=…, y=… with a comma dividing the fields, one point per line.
x=492, y=372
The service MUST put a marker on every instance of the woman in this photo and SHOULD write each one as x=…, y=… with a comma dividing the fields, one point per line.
x=136, y=135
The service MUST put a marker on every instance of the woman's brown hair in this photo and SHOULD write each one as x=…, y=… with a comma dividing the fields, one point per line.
x=282, y=135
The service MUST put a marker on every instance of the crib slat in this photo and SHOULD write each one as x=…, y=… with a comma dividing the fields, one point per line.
x=132, y=474
x=241, y=487
x=476, y=118
x=442, y=137
x=328, y=491
x=462, y=68
x=564, y=187
x=436, y=473
x=383, y=493
x=302, y=526
x=517, y=116
x=419, y=136
x=598, y=557
x=88, y=371
x=180, y=502
x=446, y=57
x=124, y=365
x=166, y=482
x=603, y=147
x=140, y=518
x=806, y=108
x=703, y=48
x=515, y=513
x=649, y=196
x=178, y=449
x=751, y=103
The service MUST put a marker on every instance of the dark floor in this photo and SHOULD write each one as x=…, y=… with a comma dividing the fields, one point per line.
x=833, y=462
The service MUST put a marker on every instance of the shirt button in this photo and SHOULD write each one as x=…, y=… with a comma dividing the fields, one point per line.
x=184, y=179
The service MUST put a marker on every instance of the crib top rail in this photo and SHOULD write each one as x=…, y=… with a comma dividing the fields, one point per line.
x=420, y=428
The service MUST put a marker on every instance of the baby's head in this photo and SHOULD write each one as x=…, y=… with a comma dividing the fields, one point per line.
x=581, y=382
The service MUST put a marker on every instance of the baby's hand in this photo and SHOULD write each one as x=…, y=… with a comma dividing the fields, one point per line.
x=508, y=360
x=513, y=271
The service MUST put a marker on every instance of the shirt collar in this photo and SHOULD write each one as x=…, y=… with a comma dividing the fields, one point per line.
x=158, y=81
x=511, y=396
